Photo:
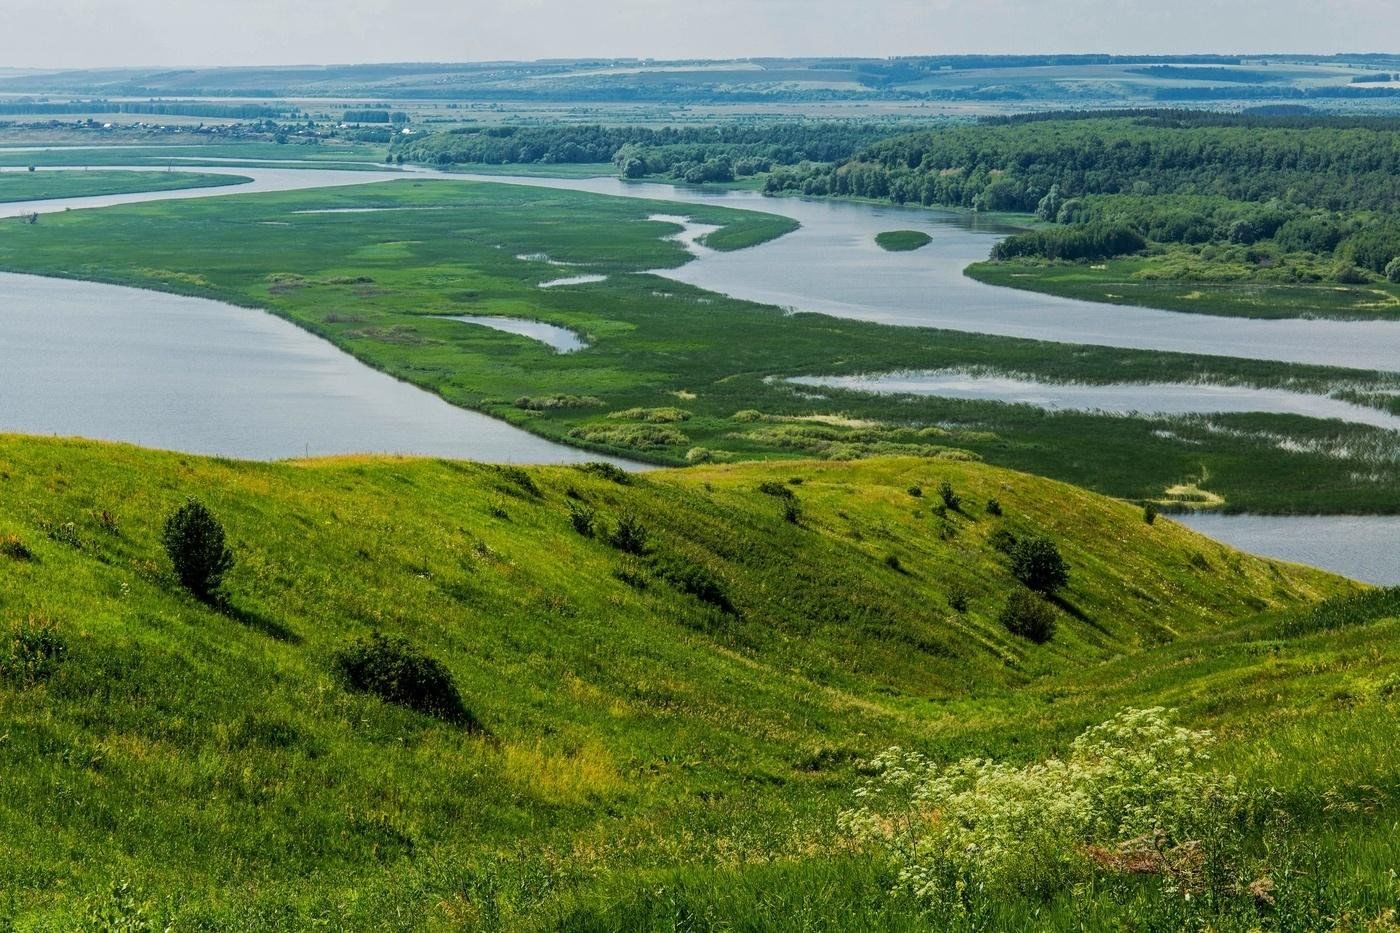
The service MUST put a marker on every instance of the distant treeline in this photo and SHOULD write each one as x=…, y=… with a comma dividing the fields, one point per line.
x=717, y=153
x=374, y=116
x=164, y=108
x=1256, y=92
x=1011, y=166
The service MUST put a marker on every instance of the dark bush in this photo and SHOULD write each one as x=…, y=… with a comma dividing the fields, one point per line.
x=1002, y=540
x=1028, y=616
x=582, y=518
x=958, y=599
x=397, y=672
x=30, y=653
x=950, y=498
x=916, y=491
x=770, y=488
x=194, y=539
x=695, y=580
x=893, y=562
x=993, y=507
x=630, y=535
x=1037, y=563
x=608, y=471
x=12, y=547
x=792, y=511
x=1149, y=513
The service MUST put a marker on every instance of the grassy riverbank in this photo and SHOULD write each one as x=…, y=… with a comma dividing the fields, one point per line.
x=41, y=186
x=673, y=372
x=1142, y=282
x=653, y=749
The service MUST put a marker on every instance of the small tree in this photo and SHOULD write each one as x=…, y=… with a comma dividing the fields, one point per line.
x=1037, y=563
x=630, y=536
x=194, y=539
x=1028, y=616
x=950, y=498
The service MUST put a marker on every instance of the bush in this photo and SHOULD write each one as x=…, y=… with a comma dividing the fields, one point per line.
x=695, y=580
x=1002, y=540
x=792, y=511
x=950, y=498
x=1037, y=563
x=1392, y=271
x=630, y=535
x=958, y=599
x=582, y=518
x=893, y=562
x=993, y=507
x=397, y=672
x=194, y=539
x=31, y=653
x=776, y=489
x=1149, y=513
x=916, y=491
x=1026, y=615
x=1134, y=794
x=12, y=547
x=608, y=471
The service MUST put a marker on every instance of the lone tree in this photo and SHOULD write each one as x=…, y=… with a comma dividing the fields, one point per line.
x=1037, y=563
x=194, y=539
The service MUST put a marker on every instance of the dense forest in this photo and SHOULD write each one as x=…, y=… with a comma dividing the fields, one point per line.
x=695, y=154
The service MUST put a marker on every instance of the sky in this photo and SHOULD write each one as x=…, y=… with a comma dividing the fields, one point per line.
x=185, y=33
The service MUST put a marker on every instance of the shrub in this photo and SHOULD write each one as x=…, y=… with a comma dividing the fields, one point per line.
x=194, y=539
x=958, y=599
x=771, y=488
x=397, y=672
x=792, y=512
x=950, y=498
x=630, y=535
x=1037, y=563
x=31, y=652
x=993, y=507
x=916, y=491
x=1002, y=540
x=12, y=547
x=1028, y=616
x=699, y=455
x=1134, y=794
x=608, y=471
x=1149, y=513
x=892, y=561
x=520, y=479
x=582, y=518
x=695, y=580
x=1392, y=271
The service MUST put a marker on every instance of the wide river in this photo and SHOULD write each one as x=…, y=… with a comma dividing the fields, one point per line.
x=206, y=377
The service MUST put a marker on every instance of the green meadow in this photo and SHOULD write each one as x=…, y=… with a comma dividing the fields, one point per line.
x=1152, y=282
x=674, y=374
x=667, y=732
x=40, y=186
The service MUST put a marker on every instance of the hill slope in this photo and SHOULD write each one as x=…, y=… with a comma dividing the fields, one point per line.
x=701, y=704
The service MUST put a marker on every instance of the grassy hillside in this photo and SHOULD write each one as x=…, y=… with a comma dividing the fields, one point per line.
x=382, y=270
x=667, y=736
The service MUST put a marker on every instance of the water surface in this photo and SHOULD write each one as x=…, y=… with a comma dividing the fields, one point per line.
x=180, y=373
x=560, y=339
x=1151, y=398
x=1363, y=547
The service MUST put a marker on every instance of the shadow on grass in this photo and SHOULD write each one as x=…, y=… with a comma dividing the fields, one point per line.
x=254, y=620
x=1071, y=609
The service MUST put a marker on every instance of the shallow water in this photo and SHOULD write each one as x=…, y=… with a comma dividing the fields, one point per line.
x=1362, y=547
x=168, y=371
x=832, y=265
x=1122, y=398
x=574, y=280
x=560, y=339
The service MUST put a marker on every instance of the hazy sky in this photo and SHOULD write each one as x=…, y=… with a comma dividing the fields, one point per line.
x=92, y=33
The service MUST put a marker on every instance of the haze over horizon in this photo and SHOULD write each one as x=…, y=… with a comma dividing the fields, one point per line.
x=44, y=34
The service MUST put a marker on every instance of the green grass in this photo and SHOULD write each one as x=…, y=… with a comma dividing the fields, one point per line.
x=647, y=757
x=902, y=241
x=38, y=186
x=190, y=150
x=381, y=286
x=1141, y=282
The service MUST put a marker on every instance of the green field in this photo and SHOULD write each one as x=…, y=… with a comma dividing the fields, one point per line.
x=649, y=756
x=381, y=285
x=902, y=241
x=1141, y=282
x=38, y=186
x=189, y=152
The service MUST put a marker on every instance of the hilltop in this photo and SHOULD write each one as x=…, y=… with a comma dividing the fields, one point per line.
x=697, y=708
